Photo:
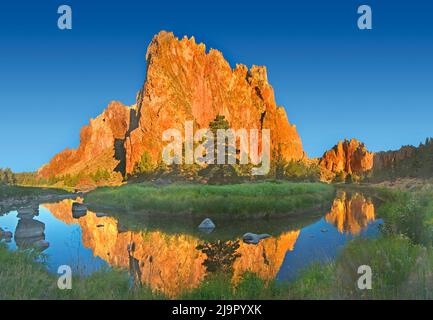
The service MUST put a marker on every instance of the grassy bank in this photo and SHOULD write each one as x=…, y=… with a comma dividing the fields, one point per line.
x=401, y=270
x=11, y=191
x=235, y=201
x=23, y=278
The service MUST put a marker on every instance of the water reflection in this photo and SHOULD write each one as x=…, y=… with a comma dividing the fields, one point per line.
x=351, y=213
x=173, y=262
x=30, y=233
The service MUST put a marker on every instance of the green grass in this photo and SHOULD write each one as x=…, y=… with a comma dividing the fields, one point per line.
x=9, y=191
x=250, y=287
x=22, y=278
x=400, y=270
x=236, y=201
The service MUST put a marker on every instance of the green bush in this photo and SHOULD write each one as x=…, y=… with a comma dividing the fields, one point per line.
x=145, y=165
x=300, y=171
x=7, y=176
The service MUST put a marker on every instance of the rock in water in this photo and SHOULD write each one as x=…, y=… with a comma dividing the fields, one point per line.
x=30, y=234
x=253, y=238
x=41, y=245
x=29, y=229
x=207, y=224
x=5, y=234
x=78, y=210
x=28, y=212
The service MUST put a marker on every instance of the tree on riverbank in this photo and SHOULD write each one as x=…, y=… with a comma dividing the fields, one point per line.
x=7, y=176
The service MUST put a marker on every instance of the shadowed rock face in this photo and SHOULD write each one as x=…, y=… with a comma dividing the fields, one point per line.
x=183, y=83
x=349, y=157
x=389, y=159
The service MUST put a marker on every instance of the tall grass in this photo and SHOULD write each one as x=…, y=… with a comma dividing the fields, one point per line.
x=400, y=270
x=22, y=278
x=241, y=200
x=10, y=191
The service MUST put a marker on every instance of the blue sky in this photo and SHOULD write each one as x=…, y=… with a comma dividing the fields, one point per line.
x=334, y=80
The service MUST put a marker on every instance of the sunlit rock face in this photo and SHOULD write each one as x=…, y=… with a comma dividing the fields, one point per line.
x=184, y=82
x=351, y=213
x=169, y=263
x=265, y=258
x=99, y=146
x=348, y=157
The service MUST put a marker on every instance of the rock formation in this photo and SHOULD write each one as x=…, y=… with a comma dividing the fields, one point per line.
x=388, y=159
x=101, y=146
x=183, y=83
x=347, y=157
x=186, y=83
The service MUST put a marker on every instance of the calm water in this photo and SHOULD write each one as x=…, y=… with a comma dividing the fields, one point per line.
x=172, y=255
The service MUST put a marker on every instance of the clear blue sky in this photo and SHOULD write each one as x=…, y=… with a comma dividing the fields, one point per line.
x=334, y=80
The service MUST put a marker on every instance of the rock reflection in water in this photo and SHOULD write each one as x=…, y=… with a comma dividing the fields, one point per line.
x=30, y=233
x=172, y=263
x=166, y=263
x=351, y=213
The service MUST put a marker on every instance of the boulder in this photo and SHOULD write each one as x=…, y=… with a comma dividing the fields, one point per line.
x=206, y=224
x=252, y=238
x=41, y=245
x=5, y=234
x=78, y=210
x=28, y=212
x=29, y=228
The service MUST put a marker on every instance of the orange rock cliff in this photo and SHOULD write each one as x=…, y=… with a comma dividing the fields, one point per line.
x=101, y=144
x=183, y=83
x=348, y=157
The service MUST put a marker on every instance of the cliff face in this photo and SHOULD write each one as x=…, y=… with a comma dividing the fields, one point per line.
x=186, y=83
x=389, y=159
x=183, y=83
x=349, y=157
x=100, y=145
x=407, y=162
